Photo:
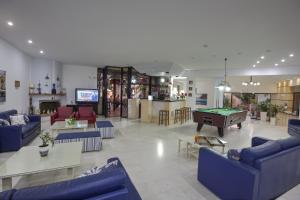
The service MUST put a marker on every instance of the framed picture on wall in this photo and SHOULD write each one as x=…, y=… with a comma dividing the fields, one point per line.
x=190, y=95
x=2, y=86
x=191, y=82
x=201, y=99
x=190, y=88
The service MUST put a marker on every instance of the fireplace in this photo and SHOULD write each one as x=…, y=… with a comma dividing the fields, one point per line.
x=48, y=106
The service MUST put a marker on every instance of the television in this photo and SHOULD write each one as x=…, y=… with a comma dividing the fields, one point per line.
x=86, y=95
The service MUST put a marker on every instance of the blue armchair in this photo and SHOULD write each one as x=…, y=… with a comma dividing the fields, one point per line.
x=12, y=138
x=294, y=127
x=265, y=171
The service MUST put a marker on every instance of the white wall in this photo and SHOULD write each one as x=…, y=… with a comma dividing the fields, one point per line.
x=17, y=67
x=75, y=76
x=203, y=86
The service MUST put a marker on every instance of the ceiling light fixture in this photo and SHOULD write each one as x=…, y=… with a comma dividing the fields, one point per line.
x=42, y=52
x=276, y=64
x=258, y=62
x=291, y=55
x=224, y=85
x=251, y=83
x=29, y=41
x=282, y=60
x=262, y=57
x=253, y=65
x=10, y=23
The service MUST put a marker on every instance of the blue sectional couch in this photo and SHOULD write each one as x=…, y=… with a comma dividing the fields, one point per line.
x=294, y=127
x=112, y=184
x=12, y=138
x=265, y=171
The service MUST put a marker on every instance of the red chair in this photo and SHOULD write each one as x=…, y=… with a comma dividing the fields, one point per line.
x=86, y=113
x=62, y=114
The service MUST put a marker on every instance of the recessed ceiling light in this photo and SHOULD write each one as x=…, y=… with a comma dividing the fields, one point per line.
x=276, y=64
x=282, y=60
x=258, y=62
x=291, y=55
x=10, y=23
x=42, y=52
x=253, y=65
x=262, y=57
x=29, y=41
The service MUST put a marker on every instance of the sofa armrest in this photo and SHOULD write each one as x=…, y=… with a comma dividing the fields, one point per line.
x=10, y=138
x=53, y=117
x=256, y=141
x=228, y=179
x=77, y=115
x=294, y=122
x=35, y=118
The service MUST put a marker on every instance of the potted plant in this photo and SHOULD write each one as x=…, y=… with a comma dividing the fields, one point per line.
x=263, y=108
x=71, y=121
x=274, y=109
x=44, y=148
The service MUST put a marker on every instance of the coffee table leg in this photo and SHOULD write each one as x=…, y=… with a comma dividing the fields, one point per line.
x=70, y=172
x=6, y=183
x=179, y=143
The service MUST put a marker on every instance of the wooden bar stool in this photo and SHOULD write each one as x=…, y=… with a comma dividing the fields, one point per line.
x=178, y=116
x=188, y=113
x=183, y=114
x=163, y=117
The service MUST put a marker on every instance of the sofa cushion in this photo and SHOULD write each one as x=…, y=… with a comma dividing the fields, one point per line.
x=76, y=189
x=17, y=120
x=6, y=114
x=102, y=169
x=249, y=155
x=28, y=128
x=234, y=154
x=85, y=112
x=289, y=142
x=4, y=122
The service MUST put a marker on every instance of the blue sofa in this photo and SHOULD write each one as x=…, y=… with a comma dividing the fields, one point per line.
x=294, y=127
x=12, y=138
x=112, y=184
x=265, y=171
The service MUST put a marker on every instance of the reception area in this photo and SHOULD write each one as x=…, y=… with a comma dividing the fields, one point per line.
x=152, y=100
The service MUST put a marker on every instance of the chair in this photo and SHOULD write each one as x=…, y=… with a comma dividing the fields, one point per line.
x=178, y=116
x=62, y=114
x=163, y=117
x=86, y=113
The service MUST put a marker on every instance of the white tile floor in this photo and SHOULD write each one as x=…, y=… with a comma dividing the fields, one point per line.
x=149, y=153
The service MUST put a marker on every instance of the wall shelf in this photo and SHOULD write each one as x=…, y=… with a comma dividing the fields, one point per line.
x=47, y=94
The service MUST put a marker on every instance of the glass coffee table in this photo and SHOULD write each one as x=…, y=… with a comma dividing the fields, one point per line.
x=63, y=126
x=28, y=161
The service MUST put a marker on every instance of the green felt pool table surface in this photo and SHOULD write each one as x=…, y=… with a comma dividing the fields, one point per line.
x=220, y=111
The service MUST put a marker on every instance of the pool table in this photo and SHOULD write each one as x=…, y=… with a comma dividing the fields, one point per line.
x=219, y=117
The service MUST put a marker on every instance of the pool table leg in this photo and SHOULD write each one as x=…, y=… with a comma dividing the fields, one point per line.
x=199, y=127
x=221, y=131
x=239, y=125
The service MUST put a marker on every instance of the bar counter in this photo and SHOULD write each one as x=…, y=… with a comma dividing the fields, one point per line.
x=150, y=109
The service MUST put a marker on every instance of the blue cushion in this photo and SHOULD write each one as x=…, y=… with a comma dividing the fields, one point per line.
x=289, y=142
x=76, y=189
x=234, y=154
x=103, y=124
x=5, y=115
x=73, y=135
x=251, y=154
